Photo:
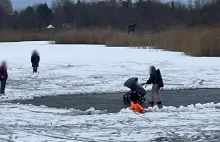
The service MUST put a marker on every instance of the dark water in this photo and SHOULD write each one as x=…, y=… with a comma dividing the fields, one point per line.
x=112, y=102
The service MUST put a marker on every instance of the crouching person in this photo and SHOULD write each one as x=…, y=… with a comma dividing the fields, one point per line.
x=137, y=107
x=157, y=81
x=3, y=77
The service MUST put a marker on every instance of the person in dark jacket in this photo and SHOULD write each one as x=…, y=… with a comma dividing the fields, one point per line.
x=3, y=77
x=155, y=79
x=35, y=59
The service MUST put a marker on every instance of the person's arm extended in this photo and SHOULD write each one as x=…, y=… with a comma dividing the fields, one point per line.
x=150, y=80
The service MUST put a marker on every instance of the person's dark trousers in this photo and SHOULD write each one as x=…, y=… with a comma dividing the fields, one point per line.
x=3, y=83
x=34, y=69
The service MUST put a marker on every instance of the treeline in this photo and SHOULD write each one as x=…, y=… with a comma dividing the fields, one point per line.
x=150, y=15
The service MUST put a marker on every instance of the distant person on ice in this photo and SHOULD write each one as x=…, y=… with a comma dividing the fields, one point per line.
x=3, y=77
x=157, y=81
x=35, y=59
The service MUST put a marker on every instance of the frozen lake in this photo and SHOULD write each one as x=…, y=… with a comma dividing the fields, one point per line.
x=76, y=69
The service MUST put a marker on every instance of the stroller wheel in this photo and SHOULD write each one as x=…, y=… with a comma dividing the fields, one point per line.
x=142, y=99
x=127, y=98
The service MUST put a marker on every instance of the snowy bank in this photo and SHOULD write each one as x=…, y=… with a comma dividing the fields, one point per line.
x=35, y=124
x=72, y=69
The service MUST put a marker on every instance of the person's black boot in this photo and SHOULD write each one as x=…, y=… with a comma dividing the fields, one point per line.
x=159, y=103
x=151, y=103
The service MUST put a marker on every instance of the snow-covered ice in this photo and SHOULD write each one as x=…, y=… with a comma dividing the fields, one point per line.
x=24, y=123
x=71, y=69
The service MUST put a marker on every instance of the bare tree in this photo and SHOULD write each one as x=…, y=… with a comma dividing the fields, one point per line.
x=197, y=4
x=190, y=4
x=58, y=5
x=2, y=17
x=7, y=6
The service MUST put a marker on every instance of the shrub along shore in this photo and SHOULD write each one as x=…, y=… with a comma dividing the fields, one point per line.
x=199, y=41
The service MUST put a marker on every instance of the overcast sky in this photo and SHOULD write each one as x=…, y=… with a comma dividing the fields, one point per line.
x=19, y=4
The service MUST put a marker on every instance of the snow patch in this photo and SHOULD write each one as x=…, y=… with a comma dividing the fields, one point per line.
x=189, y=108
x=198, y=122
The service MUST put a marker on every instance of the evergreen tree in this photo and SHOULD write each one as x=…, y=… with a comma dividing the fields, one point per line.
x=45, y=13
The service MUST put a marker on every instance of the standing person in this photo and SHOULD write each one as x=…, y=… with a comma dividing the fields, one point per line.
x=35, y=59
x=157, y=81
x=3, y=77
